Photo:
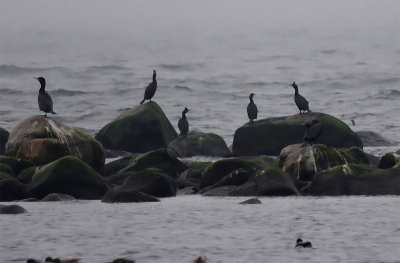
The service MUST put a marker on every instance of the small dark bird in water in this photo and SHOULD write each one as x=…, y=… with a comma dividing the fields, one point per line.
x=183, y=124
x=301, y=243
x=252, y=110
x=151, y=89
x=44, y=99
x=353, y=122
x=57, y=260
x=300, y=101
x=314, y=130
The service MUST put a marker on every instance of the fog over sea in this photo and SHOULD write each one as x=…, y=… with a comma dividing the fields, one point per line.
x=97, y=58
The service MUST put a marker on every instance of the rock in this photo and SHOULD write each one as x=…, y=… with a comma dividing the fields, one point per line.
x=151, y=181
x=186, y=191
x=15, y=164
x=5, y=169
x=12, y=209
x=30, y=199
x=157, y=159
x=270, y=181
x=25, y=176
x=397, y=165
x=373, y=139
x=356, y=179
x=236, y=177
x=303, y=162
x=127, y=196
x=116, y=153
x=117, y=165
x=141, y=129
x=6, y=176
x=270, y=136
x=3, y=140
x=191, y=177
x=219, y=191
x=198, y=143
x=56, y=197
x=398, y=152
x=79, y=143
x=251, y=201
x=219, y=169
x=68, y=175
x=389, y=160
x=42, y=151
x=10, y=190
x=373, y=160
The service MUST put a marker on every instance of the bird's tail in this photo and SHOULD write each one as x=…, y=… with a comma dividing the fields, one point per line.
x=52, y=112
x=142, y=101
x=309, y=110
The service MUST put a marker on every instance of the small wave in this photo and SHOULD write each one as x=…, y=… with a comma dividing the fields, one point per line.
x=15, y=70
x=179, y=67
x=182, y=88
x=106, y=68
x=388, y=80
x=64, y=92
x=328, y=51
x=387, y=94
x=9, y=91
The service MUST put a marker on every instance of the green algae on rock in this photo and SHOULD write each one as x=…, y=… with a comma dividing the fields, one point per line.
x=15, y=164
x=270, y=136
x=141, y=129
x=389, y=160
x=42, y=151
x=198, y=143
x=68, y=175
x=3, y=140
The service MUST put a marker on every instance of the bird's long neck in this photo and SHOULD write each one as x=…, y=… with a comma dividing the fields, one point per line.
x=42, y=87
x=251, y=100
x=296, y=90
x=183, y=114
x=154, y=79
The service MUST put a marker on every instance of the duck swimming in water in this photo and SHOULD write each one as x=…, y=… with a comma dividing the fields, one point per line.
x=183, y=124
x=300, y=101
x=252, y=110
x=301, y=243
x=314, y=130
x=44, y=99
x=151, y=89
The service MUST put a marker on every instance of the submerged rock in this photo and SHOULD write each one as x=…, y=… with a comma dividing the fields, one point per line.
x=12, y=209
x=373, y=139
x=127, y=196
x=56, y=197
x=356, y=179
x=270, y=136
x=251, y=201
x=68, y=175
x=3, y=140
x=141, y=129
x=303, y=162
x=151, y=181
x=389, y=160
x=198, y=143
x=65, y=141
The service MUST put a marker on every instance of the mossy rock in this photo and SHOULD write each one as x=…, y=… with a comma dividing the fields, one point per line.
x=270, y=136
x=271, y=181
x=198, y=143
x=3, y=140
x=389, y=160
x=117, y=165
x=11, y=189
x=15, y=164
x=303, y=162
x=25, y=176
x=356, y=179
x=5, y=169
x=151, y=181
x=191, y=177
x=221, y=168
x=157, y=159
x=42, y=151
x=68, y=175
x=79, y=143
x=141, y=129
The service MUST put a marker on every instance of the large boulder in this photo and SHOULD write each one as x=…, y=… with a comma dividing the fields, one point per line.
x=191, y=177
x=221, y=168
x=68, y=141
x=68, y=175
x=3, y=140
x=12, y=209
x=117, y=165
x=198, y=143
x=373, y=139
x=270, y=136
x=356, y=179
x=389, y=160
x=16, y=165
x=10, y=190
x=141, y=129
x=151, y=181
x=303, y=162
x=127, y=196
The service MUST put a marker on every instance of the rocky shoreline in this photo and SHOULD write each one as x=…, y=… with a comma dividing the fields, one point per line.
x=41, y=157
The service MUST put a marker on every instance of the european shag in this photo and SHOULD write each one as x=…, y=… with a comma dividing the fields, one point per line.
x=301, y=243
x=151, y=89
x=314, y=130
x=252, y=109
x=44, y=99
x=300, y=101
x=183, y=124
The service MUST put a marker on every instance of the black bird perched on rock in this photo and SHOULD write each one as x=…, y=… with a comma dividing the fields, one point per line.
x=314, y=130
x=252, y=108
x=44, y=100
x=151, y=89
x=300, y=101
x=183, y=124
x=301, y=243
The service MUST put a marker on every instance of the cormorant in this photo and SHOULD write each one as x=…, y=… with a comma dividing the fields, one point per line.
x=314, y=130
x=44, y=100
x=183, y=124
x=301, y=243
x=300, y=101
x=151, y=89
x=252, y=109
